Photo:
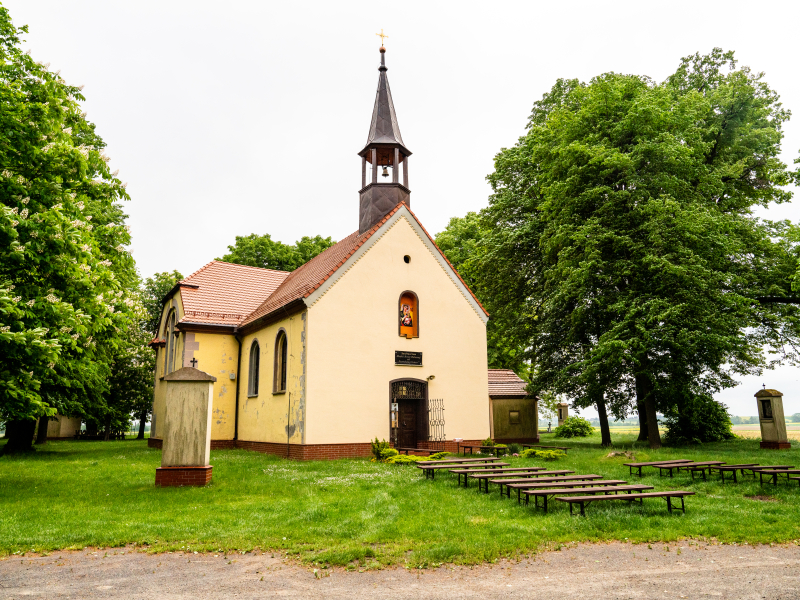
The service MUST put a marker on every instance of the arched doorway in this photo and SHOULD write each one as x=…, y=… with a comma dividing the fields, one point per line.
x=408, y=412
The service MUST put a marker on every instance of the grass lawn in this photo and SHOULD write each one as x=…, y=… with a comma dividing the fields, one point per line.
x=347, y=512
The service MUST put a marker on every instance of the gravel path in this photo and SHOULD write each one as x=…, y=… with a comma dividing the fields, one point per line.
x=607, y=571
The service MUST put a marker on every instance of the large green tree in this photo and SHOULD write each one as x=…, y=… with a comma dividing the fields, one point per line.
x=623, y=247
x=262, y=251
x=67, y=282
x=462, y=242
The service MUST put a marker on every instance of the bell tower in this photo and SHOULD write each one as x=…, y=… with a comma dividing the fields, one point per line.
x=385, y=152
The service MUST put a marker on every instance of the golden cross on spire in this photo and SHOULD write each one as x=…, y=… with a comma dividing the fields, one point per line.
x=382, y=35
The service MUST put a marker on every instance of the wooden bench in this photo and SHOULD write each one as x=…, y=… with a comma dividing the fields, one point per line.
x=490, y=449
x=732, y=469
x=529, y=480
x=693, y=466
x=583, y=500
x=640, y=465
x=545, y=493
x=566, y=482
x=564, y=448
x=773, y=474
x=430, y=469
x=516, y=472
x=457, y=461
x=494, y=468
x=755, y=469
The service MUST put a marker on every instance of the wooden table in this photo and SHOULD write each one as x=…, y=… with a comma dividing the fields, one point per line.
x=690, y=465
x=492, y=449
x=773, y=473
x=632, y=466
x=581, y=500
x=564, y=448
x=732, y=469
x=529, y=482
x=554, y=482
x=630, y=489
x=446, y=461
x=430, y=469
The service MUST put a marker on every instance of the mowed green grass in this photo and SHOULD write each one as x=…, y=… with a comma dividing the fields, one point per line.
x=356, y=512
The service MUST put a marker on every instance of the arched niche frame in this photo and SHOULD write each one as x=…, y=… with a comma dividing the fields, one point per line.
x=254, y=369
x=408, y=315
x=281, y=365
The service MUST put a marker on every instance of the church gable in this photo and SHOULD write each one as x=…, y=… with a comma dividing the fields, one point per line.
x=401, y=213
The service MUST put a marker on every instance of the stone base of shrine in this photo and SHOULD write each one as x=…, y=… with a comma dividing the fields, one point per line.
x=183, y=476
x=776, y=445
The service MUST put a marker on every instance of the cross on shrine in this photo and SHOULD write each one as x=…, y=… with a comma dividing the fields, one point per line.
x=193, y=362
x=382, y=36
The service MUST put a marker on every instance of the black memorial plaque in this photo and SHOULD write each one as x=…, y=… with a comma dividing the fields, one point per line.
x=412, y=359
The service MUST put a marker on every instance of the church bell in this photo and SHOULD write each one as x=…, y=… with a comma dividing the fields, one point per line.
x=385, y=171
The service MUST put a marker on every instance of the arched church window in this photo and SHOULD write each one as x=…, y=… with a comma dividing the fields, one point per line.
x=408, y=318
x=281, y=356
x=253, y=371
x=169, y=354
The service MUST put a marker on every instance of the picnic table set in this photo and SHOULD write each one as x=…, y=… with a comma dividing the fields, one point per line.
x=579, y=490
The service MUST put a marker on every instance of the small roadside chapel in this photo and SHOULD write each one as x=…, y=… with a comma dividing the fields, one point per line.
x=378, y=336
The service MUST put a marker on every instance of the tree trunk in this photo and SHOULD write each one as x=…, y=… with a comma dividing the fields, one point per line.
x=646, y=398
x=108, y=429
x=642, y=423
x=20, y=436
x=142, y=419
x=41, y=435
x=605, y=432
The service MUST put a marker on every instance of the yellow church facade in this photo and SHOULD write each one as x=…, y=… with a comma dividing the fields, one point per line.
x=377, y=336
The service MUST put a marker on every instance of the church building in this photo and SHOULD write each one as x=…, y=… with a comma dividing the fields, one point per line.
x=378, y=336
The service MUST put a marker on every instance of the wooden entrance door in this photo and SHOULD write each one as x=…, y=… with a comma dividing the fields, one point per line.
x=407, y=424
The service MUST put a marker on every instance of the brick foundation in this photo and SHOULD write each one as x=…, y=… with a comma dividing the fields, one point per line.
x=776, y=445
x=183, y=476
x=312, y=451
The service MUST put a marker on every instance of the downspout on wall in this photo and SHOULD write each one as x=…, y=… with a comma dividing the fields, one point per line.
x=238, y=370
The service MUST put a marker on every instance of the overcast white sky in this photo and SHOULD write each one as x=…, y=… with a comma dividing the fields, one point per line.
x=230, y=118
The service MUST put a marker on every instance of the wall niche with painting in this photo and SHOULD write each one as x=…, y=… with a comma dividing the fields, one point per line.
x=408, y=317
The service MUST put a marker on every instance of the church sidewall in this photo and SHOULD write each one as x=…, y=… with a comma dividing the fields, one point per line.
x=355, y=334
x=277, y=418
x=216, y=354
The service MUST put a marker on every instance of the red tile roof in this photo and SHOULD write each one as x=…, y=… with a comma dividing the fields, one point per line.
x=226, y=293
x=504, y=383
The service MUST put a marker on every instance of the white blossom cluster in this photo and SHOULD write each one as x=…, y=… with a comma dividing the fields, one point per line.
x=51, y=298
x=5, y=329
x=65, y=329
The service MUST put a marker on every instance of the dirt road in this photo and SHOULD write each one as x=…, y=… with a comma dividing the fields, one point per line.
x=607, y=571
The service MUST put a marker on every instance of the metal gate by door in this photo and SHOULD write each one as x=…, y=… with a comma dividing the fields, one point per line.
x=413, y=417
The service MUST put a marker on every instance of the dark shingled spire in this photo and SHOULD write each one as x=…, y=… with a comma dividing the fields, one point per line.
x=384, y=128
x=384, y=150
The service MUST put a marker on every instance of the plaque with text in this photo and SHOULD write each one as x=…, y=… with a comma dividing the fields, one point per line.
x=411, y=359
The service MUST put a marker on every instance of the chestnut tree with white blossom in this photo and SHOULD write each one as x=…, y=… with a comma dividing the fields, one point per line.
x=68, y=284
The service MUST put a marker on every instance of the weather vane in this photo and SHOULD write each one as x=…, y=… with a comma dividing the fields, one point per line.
x=382, y=36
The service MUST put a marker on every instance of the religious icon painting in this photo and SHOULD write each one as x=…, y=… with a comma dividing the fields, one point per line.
x=409, y=315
